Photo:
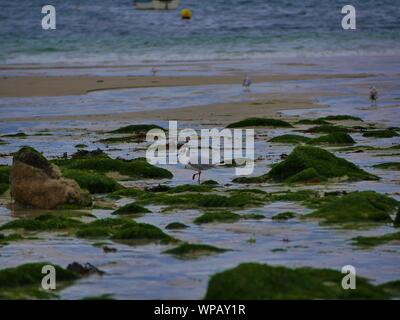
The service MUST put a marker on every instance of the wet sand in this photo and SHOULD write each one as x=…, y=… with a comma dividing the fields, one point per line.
x=33, y=86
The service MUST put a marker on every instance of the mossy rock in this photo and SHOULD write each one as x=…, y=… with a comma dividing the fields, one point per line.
x=131, y=208
x=45, y=222
x=340, y=117
x=212, y=217
x=357, y=207
x=327, y=129
x=136, y=129
x=260, y=122
x=380, y=134
x=176, y=226
x=4, y=240
x=128, y=192
x=191, y=251
x=252, y=216
x=2, y=142
x=210, y=183
x=24, y=281
x=312, y=121
x=15, y=135
x=80, y=146
x=137, y=168
x=121, y=229
x=326, y=165
x=284, y=216
x=32, y=157
x=253, y=281
x=290, y=138
x=388, y=166
x=294, y=196
x=199, y=200
x=336, y=138
x=376, y=241
x=92, y=181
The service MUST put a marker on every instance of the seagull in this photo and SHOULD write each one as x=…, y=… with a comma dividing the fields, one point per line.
x=154, y=71
x=184, y=157
x=373, y=95
x=247, y=82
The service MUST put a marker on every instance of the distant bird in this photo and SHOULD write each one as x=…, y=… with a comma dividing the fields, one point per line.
x=154, y=71
x=184, y=157
x=373, y=95
x=247, y=82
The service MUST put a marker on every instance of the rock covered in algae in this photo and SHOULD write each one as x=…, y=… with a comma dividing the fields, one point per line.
x=35, y=182
x=255, y=281
x=325, y=166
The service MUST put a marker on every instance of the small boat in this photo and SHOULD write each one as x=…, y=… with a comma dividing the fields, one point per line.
x=156, y=4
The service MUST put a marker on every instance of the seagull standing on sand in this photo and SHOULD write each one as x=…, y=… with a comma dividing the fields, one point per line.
x=247, y=82
x=373, y=95
x=184, y=158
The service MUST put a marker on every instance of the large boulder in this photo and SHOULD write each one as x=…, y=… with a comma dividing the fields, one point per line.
x=37, y=183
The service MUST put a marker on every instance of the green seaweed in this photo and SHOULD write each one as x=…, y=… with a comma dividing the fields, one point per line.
x=318, y=121
x=136, y=128
x=131, y=208
x=335, y=138
x=252, y=216
x=253, y=281
x=136, y=168
x=284, y=216
x=220, y=216
x=341, y=117
x=358, y=207
x=121, y=229
x=92, y=181
x=15, y=135
x=210, y=183
x=309, y=175
x=191, y=251
x=45, y=222
x=388, y=166
x=191, y=188
x=260, y=122
x=176, y=226
x=380, y=134
x=81, y=146
x=23, y=282
x=376, y=241
x=328, y=128
x=325, y=164
x=290, y=138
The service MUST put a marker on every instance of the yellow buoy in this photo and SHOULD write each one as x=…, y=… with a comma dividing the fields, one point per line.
x=186, y=14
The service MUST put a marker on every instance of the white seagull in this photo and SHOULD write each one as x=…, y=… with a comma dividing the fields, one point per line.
x=373, y=95
x=247, y=82
x=184, y=158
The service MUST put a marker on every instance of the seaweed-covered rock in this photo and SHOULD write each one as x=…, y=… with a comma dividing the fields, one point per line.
x=46, y=222
x=380, y=134
x=136, y=128
x=312, y=121
x=221, y=216
x=131, y=208
x=102, y=163
x=328, y=128
x=325, y=164
x=176, y=226
x=121, y=229
x=290, y=138
x=284, y=216
x=335, y=138
x=260, y=122
x=92, y=181
x=192, y=251
x=309, y=175
x=23, y=282
x=35, y=182
x=253, y=281
x=357, y=207
x=388, y=166
x=340, y=117
x=377, y=240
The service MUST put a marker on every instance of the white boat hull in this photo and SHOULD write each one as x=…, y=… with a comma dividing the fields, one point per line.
x=165, y=5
